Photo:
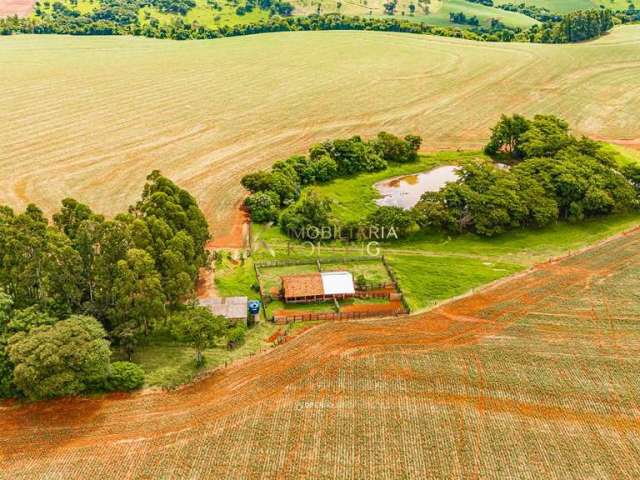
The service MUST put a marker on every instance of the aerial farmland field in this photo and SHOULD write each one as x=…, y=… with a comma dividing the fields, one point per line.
x=535, y=377
x=89, y=118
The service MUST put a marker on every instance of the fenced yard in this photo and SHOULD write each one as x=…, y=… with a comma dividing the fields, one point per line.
x=377, y=292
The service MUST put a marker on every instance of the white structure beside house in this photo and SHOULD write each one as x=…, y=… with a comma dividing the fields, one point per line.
x=232, y=308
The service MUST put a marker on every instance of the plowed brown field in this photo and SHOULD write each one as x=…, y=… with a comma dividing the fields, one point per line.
x=536, y=377
x=91, y=117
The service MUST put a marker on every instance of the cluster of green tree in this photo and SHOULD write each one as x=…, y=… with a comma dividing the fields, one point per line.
x=312, y=218
x=461, y=19
x=284, y=9
x=281, y=186
x=539, y=13
x=69, y=285
x=630, y=15
x=43, y=357
x=123, y=23
x=172, y=6
x=390, y=7
x=554, y=176
x=486, y=3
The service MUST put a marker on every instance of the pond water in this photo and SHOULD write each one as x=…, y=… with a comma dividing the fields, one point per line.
x=405, y=191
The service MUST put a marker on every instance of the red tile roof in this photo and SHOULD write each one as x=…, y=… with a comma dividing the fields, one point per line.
x=307, y=285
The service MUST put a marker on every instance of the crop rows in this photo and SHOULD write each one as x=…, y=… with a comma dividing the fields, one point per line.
x=533, y=378
x=91, y=117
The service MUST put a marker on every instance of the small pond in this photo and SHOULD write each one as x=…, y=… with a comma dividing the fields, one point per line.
x=405, y=191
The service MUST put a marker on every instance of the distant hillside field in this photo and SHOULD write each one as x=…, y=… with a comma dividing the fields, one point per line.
x=90, y=117
x=22, y=8
x=212, y=13
x=566, y=6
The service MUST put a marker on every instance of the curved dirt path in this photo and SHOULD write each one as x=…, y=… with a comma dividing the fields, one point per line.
x=535, y=377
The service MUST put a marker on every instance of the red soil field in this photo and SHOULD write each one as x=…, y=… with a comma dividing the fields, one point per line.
x=534, y=377
x=389, y=307
x=237, y=229
x=21, y=8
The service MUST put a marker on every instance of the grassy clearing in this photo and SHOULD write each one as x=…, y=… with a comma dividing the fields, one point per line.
x=234, y=280
x=354, y=197
x=523, y=246
x=624, y=155
x=319, y=307
x=427, y=280
x=484, y=14
x=167, y=363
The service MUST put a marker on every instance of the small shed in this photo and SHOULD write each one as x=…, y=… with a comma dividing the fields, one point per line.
x=317, y=287
x=233, y=308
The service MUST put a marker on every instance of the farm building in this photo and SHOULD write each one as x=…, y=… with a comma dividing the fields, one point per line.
x=316, y=287
x=232, y=308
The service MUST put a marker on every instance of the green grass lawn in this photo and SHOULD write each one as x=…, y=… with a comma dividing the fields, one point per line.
x=354, y=197
x=168, y=363
x=427, y=280
x=82, y=6
x=524, y=246
x=624, y=155
x=236, y=280
x=492, y=257
x=204, y=14
x=319, y=307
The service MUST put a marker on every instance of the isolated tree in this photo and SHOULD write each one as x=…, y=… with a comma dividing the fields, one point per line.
x=394, y=149
x=506, y=136
x=65, y=358
x=123, y=377
x=199, y=327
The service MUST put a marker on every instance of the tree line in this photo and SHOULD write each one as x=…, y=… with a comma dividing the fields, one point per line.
x=70, y=289
x=120, y=17
x=547, y=175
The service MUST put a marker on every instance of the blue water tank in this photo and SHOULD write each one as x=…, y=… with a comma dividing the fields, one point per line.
x=254, y=306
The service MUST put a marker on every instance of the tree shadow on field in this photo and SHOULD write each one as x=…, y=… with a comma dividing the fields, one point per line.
x=56, y=423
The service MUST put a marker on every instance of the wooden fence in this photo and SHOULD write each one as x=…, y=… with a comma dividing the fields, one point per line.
x=392, y=275
x=310, y=316
x=315, y=261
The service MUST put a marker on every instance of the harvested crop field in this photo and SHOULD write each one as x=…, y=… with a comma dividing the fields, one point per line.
x=91, y=117
x=536, y=377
